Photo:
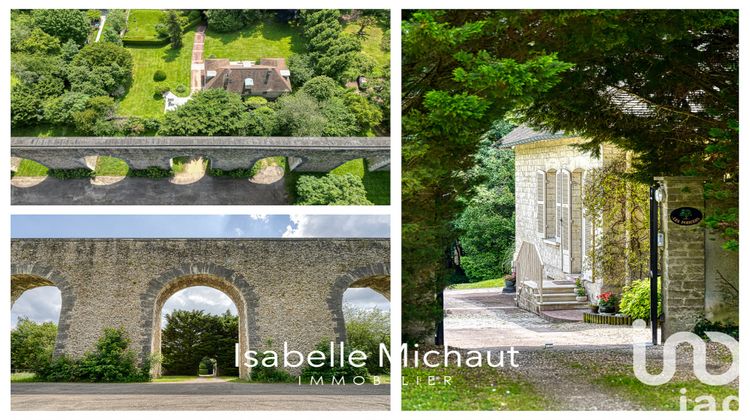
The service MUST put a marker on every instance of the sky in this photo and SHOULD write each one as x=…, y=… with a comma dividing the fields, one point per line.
x=43, y=303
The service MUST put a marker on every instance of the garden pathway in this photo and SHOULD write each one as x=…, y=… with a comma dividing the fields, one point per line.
x=197, y=66
x=486, y=318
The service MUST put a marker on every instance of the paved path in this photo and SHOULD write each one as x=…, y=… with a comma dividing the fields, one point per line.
x=144, y=191
x=564, y=372
x=197, y=63
x=102, y=19
x=218, y=395
x=486, y=318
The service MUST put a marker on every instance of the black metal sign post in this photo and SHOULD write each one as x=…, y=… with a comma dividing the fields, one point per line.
x=440, y=332
x=654, y=261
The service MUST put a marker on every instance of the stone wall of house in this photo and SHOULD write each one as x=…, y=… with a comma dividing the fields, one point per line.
x=285, y=289
x=549, y=156
x=306, y=154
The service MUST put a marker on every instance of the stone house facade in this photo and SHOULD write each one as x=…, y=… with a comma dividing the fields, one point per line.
x=552, y=231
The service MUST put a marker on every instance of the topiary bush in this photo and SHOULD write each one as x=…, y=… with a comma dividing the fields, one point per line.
x=161, y=88
x=180, y=89
x=159, y=75
x=636, y=299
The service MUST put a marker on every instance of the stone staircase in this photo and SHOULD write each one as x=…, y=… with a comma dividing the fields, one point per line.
x=556, y=296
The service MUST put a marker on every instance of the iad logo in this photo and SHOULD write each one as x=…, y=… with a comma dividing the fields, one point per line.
x=699, y=358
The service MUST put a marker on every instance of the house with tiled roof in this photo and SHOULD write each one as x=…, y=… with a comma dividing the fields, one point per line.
x=269, y=78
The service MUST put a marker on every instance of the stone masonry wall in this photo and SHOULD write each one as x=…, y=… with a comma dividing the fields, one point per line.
x=306, y=154
x=683, y=257
x=291, y=288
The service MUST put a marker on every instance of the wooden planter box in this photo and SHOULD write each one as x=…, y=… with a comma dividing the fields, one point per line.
x=606, y=319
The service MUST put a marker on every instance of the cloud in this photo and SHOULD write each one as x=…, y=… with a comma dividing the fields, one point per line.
x=41, y=304
x=366, y=298
x=343, y=226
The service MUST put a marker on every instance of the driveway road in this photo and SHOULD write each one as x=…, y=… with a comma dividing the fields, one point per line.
x=182, y=396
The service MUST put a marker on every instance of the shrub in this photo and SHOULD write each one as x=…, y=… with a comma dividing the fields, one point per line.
x=159, y=75
x=254, y=102
x=636, y=299
x=111, y=361
x=75, y=173
x=151, y=172
x=331, y=189
x=181, y=89
x=366, y=329
x=727, y=328
x=238, y=173
x=328, y=372
x=31, y=344
x=161, y=88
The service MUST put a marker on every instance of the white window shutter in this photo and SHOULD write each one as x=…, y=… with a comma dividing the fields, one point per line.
x=558, y=205
x=565, y=211
x=541, y=211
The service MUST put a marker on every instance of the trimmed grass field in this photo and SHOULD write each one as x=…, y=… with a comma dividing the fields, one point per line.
x=110, y=166
x=371, y=45
x=479, y=284
x=264, y=40
x=142, y=23
x=140, y=99
x=482, y=388
x=377, y=184
x=30, y=168
x=23, y=377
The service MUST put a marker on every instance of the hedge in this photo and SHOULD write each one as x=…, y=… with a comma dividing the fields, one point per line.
x=139, y=41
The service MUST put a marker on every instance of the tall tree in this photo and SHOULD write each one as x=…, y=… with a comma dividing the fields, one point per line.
x=64, y=24
x=459, y=76
x=174, y=28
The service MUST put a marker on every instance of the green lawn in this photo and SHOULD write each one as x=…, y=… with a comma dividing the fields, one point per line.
x=110, y=166
x=377, y=184
x=30, y=168
x=666, y=397
x=140, y=99
x=174, y=378
x=482, y=388
x=371, y=45
x=479, y=284
x=264, y=40
x=142, y=23
x=23, y=377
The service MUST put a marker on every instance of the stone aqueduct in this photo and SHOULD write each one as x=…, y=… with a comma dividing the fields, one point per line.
x=305, y=154
x=284, y=289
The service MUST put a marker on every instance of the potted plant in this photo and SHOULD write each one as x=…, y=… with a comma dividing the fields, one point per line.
x=607, y=302
x=510, y=280
x=581, y=295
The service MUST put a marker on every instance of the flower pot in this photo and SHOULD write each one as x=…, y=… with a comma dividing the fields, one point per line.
x=606, y=309
x=594, y=309
x=581, y=298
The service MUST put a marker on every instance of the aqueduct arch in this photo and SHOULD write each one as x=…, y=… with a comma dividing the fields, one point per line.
x=24, y=277
x=375, y=276
x=285, y=290
x=211, y=275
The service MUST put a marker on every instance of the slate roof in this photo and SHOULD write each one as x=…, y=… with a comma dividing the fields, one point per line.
x=524, y=134
x=231, y=76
